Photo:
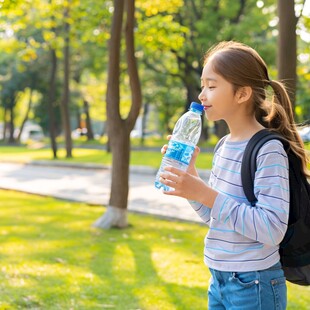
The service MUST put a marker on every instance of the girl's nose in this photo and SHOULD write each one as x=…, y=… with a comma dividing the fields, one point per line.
x=201, y=96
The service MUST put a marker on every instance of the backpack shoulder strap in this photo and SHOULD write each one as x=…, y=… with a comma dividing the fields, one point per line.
x=220, y=143
x=248, y=167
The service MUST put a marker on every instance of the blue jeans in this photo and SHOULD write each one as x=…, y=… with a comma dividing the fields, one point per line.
x=254, y=290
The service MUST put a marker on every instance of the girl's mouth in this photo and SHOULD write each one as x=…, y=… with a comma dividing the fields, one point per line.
x=206, y=107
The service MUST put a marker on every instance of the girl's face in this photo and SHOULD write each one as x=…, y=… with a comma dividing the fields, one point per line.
x=217, y=95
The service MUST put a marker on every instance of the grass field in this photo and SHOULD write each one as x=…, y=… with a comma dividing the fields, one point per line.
x=81, y=155
x=52, y=258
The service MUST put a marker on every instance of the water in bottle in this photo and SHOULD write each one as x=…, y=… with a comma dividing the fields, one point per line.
x=181, y=146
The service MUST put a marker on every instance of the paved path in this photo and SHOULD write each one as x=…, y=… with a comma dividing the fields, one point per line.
x=91, y=184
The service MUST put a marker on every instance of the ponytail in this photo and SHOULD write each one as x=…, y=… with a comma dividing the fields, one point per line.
x=280, y=118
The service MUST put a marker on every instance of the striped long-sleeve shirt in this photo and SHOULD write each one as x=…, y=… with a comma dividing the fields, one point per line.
x=244, y=237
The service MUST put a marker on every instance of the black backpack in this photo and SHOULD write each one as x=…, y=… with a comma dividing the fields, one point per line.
x=295, y=246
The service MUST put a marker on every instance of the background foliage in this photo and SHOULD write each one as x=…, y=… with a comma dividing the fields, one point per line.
x=171, y=38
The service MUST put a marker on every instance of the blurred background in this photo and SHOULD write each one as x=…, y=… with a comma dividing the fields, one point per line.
x=89, y=91
x=54, y=63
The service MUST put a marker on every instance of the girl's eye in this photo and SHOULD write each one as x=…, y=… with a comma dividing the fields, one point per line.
x=208, y=87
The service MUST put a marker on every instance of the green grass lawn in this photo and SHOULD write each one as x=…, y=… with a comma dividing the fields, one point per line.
x=101, y=156
x=51, y=258
x=81, y=155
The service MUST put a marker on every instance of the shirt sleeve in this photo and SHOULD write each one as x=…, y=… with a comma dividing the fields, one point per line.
x=203, y=211
x=265, y=222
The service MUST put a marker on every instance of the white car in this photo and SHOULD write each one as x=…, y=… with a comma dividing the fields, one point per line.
x=305, y=134
x=31, y=131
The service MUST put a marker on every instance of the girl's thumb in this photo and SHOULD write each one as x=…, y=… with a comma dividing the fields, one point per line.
x=195, y=154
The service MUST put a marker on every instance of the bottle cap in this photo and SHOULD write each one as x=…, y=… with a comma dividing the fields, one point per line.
x=196, y=106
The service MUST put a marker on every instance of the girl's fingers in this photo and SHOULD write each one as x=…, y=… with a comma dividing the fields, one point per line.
x=195, y=154
x=164, y=149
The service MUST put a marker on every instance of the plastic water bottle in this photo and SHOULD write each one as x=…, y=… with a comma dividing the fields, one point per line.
x=181, y=146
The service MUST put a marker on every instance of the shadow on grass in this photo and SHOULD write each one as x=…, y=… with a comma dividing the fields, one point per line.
x=138, y=268
x=51, y=258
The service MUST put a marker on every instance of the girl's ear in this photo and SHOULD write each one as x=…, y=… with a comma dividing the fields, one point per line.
x=244, y=94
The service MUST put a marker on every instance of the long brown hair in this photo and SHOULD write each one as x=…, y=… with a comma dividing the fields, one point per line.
x=242, y=66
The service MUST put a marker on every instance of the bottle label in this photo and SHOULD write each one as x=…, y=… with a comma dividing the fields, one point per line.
x=179, y=151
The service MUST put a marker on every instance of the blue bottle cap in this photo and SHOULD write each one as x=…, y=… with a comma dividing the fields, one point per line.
x=196, y=106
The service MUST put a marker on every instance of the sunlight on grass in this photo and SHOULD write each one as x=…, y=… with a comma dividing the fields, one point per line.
x=143, y=158
x=23, y=154
x=52, y=258
x=154, y=297
x=173, y=268
x=124, y=266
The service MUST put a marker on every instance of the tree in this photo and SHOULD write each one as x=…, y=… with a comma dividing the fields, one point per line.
x=52, y=93
x=175, y=34
x=51, y=102
x=76, y=40
x=287, y=46
x=26, y=116
x=66, y=89
x=119, y=129
x=11, y=92
x=90, y=133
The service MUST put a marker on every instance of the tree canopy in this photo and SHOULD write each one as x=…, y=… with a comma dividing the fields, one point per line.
x=171, y=38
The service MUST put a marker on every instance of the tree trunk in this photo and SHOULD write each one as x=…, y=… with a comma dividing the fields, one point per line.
x=5, y=123
x=135, y=87
x=11, y=124
x=90, y=133
x=221, y=128
x=108, y=146
x=287, y=46
x=2, y=134
x=191, y=83
x=66, y=89
x=116, y=214
x=52, y=95
x=119, y=129
x=114, y=217
x=26, y=117
x=144, y=116
x=51, y=103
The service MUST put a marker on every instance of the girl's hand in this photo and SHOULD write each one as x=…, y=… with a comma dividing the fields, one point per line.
x=191, y=168
x=188, y=186
x=185, y=184
x=164, y=148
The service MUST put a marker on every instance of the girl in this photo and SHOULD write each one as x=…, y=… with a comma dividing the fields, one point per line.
x=241, y=247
